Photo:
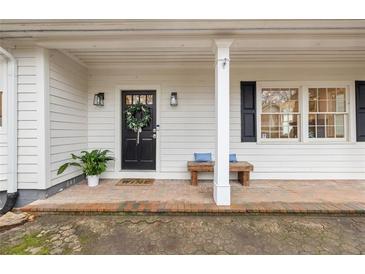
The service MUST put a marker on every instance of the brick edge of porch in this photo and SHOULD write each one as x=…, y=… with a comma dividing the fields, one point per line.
x=186, y=207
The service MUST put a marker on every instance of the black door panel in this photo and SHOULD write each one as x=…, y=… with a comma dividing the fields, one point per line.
x=140, y=156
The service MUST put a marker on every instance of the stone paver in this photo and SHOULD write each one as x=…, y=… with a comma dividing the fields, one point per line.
x=156, y=234
x=11, y=219
x=270, y=196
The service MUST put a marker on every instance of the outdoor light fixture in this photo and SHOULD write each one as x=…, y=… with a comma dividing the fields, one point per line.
x=173, y=99
x=99, y=99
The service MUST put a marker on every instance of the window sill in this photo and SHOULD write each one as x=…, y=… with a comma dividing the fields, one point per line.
x=316, y=142
x=277, y=142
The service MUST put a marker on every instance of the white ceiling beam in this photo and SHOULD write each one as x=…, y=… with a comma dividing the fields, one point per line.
x=191, y=44
x=125, y=43
x=85, y=27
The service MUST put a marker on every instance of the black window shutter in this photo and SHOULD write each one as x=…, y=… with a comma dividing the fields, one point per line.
x=360, y=110
x=248, y=111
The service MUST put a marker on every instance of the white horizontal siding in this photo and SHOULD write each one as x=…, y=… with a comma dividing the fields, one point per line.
x=296, y=161
x=28, y=118
x=67, y=113
x=190, y=127
x=3, y=131
x=193, y=117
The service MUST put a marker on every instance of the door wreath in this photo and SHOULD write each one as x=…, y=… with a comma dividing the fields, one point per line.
x=134, y=123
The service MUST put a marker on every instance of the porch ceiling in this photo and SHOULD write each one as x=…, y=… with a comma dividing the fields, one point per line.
x=104, y=57
x=117, y=42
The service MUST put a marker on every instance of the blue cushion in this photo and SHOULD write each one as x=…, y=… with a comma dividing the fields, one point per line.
x=233, y=157
x=203, y=157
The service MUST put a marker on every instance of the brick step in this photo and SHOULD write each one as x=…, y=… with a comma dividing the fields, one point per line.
x=186, y=207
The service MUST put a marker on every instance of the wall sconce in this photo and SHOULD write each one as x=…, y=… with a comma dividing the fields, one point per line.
x=173, y=99
x=99, y=99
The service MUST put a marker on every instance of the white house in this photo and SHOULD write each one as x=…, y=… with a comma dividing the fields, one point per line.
x=286, y=95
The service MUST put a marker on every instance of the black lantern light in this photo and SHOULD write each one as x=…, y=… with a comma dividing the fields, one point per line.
x=173, y=99
x=99, y=99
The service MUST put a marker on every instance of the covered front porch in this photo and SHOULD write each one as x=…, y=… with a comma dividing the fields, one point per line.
x=243, y=87
x=178, y=196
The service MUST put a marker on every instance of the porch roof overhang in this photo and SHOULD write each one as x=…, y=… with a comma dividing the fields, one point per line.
x=96, y=43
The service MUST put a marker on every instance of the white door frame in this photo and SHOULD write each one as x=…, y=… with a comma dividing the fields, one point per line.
x=118, y=132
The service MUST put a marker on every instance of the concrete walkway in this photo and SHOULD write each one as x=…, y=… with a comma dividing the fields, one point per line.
x=268, y=196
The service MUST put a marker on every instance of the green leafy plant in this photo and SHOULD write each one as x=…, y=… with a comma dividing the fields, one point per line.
x=91, y=163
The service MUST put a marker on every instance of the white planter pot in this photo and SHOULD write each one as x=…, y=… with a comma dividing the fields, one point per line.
x=92, y=180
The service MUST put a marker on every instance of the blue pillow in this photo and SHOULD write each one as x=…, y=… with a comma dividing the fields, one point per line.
x=233, y=158
x=203, y=157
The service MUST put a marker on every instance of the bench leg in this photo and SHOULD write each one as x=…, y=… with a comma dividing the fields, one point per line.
x=246, y=178
x=240, y=177
x=194, y=178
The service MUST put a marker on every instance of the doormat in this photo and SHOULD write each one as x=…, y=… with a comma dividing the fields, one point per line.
x=135, y=182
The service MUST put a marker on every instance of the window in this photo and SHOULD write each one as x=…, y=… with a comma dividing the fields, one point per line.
x=304, y=112
x=279, y=113
x=327, y=112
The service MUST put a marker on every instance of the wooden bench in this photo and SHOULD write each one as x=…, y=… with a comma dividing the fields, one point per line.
x=243, y=169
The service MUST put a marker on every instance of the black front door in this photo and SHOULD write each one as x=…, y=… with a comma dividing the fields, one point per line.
x=142, y=155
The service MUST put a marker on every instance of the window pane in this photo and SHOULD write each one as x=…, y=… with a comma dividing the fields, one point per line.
x=340, y=120
x=142, y=99
x=313, y=94
x=322, y=94
x=340, y=132
x=331, y=94
x=341, y=93
x=265, y=120
x=128, y=99
x=270, y=108
x=265, y=134
x=312, y=132
x=330, y=120
x=321, y=132
x=340, y=106
x=293, y=120
x=279, y=107
x=322, y=106
x=274, y=134
x=293, y=132
x=135, y=99
x=294, y=94
x=149, y=99
x=289, y=106
x=312, y=120
x=284, y=132
x=313, y=106
x=330, y=132
x=332, y=106
x=274, y=122
x=321, y=119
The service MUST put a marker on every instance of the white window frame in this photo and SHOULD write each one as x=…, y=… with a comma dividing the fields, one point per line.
x=303, y=97
x=347, y=114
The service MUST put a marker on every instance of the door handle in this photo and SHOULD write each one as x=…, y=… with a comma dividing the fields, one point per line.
x=154, y=136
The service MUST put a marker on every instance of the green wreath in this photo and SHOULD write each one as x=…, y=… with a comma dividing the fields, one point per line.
x=134, y=123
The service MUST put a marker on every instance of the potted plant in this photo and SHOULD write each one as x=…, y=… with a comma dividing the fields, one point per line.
x=92, y=164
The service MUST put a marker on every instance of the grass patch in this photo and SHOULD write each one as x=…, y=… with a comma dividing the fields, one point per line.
x=28, y=241
x=84, y=239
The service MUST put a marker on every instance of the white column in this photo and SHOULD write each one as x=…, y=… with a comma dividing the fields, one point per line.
x=222, y=190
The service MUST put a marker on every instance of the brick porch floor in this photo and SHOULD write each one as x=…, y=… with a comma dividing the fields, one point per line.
x=262, y=196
